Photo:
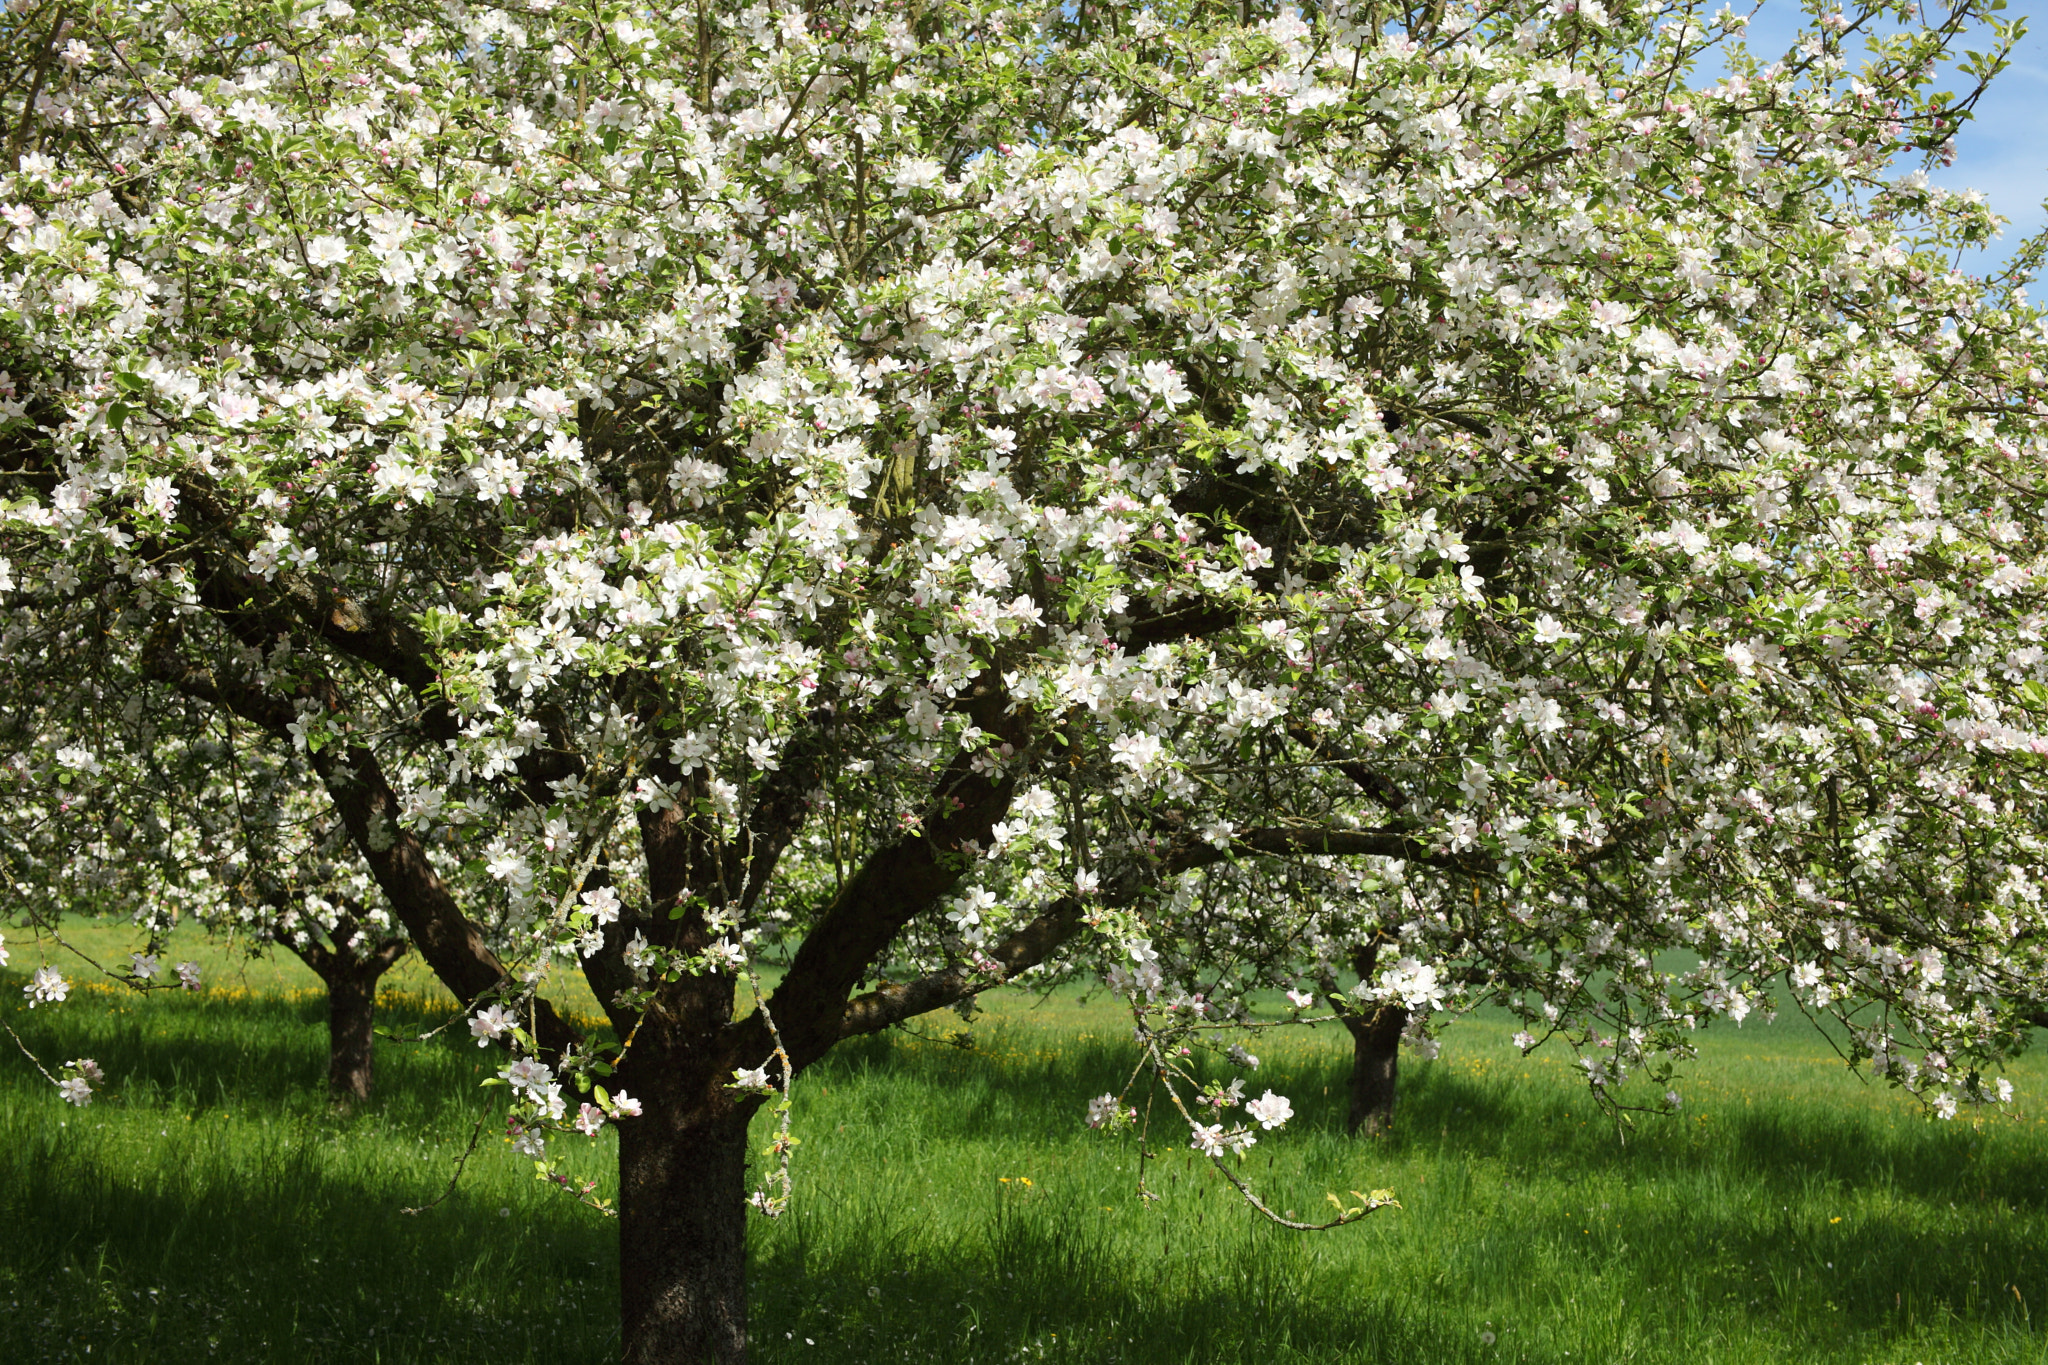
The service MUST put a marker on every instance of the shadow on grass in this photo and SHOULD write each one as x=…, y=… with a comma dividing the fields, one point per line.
x=868, y=1281
x=287, y=1243
x=1817, y=1223
x=275, y=1261
x=1553, y=1131
x=1558, y=1131
x=209, y=1052
x=211, y=1204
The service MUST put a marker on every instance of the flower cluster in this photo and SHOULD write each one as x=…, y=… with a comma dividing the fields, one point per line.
x=80, y=1078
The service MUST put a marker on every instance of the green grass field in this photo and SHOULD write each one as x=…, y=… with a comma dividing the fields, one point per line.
x=952, y=1208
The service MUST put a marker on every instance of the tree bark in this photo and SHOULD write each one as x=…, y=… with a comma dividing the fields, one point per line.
x=1375, y=1068
x=351, y=1034
x=351, y=983
x=683, y=1226
x=453, y=945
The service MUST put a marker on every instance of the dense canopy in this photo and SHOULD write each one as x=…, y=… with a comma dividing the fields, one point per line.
x=948, y=487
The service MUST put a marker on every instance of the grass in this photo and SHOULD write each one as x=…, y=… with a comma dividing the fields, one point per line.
x=951, y=1208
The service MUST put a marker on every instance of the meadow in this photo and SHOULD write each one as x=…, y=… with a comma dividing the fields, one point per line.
x=951, y=1207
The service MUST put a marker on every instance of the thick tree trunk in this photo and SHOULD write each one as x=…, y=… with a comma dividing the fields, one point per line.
x=351, y=983
x=1375, y=1067
x=683, y=1230
x=351, y=1033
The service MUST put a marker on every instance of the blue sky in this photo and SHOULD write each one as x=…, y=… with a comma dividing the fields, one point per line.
x=2004, y=151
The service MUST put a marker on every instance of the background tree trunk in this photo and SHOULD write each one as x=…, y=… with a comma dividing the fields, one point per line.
x=683, y=1225
x=351, y=983
x=1375, y=1067
x=351, y=1034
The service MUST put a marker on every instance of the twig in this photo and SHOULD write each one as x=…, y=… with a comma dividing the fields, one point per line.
x=475, y=1137
x=783, y=1147
x=1162, y=1072
x=33, y=1060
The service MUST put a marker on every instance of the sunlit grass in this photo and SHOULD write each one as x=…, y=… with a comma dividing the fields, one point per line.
x=1791, y=1214
x=951, y=1207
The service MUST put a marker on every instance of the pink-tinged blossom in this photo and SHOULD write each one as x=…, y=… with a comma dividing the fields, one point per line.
x=188, y=975
x=1137, y=752
x=143, y=966
x=490, y=1024
x=1607, y=315
x=602, y=903
x=80, y=1077
x=589, y=1118
x=1270, y=1110
x=550, y=405
x=235, y=409
x=1301, y=1000
x=625, y=1106
x=526, y=1073
x=160, y=496
x=638, y=954
x=76, y=292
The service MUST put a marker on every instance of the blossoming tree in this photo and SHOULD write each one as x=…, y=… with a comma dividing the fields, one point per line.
x=920, y=481
x=199, y=823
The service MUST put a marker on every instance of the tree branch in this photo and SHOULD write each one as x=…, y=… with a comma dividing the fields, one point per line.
x=1029, y=946
x=898, y=882
x=348, y=624
x=1371, y=781
x=452, y=944
x=1310, y=841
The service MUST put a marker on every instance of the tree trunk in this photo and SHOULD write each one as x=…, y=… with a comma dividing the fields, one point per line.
x=351, y=1033
x=351, y=983
x=683, y=1229
x=1375, y=1066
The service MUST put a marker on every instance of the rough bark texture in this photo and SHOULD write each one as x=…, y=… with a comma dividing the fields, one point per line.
x=683, y=1226
x=452, y=944
x=351, y=1019
x=351, y=983
x=1375, y=1067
